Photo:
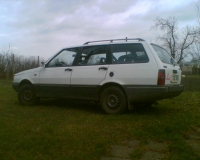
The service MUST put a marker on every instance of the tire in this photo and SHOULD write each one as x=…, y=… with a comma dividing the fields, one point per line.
x=27, y=96
x=113, y=100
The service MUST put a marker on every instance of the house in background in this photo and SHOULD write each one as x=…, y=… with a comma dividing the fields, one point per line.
x=191, y=67
x=186, y=69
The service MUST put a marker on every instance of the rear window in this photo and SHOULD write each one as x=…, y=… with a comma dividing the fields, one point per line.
x=163, y=55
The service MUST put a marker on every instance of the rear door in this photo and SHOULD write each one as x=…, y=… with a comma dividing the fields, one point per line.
x=172, y=70
x=89, y=72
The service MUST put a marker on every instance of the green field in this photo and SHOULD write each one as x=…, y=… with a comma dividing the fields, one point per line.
x=62, y=129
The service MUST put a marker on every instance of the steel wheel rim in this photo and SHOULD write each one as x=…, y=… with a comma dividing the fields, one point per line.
x=113, y=101
x=27, y=95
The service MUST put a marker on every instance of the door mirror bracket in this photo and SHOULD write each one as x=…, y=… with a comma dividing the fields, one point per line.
x=43, y=64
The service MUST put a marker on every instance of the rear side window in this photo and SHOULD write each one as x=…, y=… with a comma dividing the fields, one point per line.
x=93, y=55
x=163, y=55
x=128, y=53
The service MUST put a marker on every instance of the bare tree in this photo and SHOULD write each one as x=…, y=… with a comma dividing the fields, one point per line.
x=11, y=63
x=195, y=51
x=2, y=65
x=176, y=42
x=6, y=62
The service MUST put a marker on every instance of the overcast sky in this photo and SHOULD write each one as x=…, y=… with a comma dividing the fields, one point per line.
x=43, y=27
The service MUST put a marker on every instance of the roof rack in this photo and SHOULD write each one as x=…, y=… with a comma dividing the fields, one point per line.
x=111, y=40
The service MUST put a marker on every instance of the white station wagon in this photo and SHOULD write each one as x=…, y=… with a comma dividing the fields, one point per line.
x=118, y=73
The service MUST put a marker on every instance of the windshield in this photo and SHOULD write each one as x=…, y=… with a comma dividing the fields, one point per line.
x=163, y=55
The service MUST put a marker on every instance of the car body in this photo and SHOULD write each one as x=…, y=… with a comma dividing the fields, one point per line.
x=116, y=73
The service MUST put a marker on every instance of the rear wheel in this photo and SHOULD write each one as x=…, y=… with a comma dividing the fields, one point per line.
x=27, y=96
x=113, y=100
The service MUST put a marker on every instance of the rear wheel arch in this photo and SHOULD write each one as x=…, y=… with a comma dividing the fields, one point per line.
x=103, y=87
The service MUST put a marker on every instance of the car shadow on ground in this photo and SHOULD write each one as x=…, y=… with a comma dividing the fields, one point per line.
x=72, y=104
x=92, y=107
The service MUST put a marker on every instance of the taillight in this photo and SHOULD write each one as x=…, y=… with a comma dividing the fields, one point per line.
x=161, y=77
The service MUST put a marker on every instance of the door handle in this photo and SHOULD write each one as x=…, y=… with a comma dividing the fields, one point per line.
x=104, y=68
x=68, y=69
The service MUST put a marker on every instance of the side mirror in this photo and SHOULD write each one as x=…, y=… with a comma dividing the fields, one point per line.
x=43, y=64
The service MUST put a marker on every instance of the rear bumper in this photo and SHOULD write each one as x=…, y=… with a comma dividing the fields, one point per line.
x=152, y=93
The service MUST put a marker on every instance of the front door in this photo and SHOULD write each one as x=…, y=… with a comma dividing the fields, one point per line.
x=55, y=76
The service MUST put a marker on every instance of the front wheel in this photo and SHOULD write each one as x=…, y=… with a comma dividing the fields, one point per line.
x=27, y=96
x=113, y=100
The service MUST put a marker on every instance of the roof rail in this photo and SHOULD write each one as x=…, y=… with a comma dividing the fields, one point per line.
x=111, y=40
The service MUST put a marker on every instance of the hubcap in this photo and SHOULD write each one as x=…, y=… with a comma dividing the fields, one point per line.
x=28, y=95
x=113, y=101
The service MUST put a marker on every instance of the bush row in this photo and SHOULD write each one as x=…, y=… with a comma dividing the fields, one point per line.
x=12, y=63
x=191, y=83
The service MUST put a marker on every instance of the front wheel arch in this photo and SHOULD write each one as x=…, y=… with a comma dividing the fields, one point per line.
x=24, y=82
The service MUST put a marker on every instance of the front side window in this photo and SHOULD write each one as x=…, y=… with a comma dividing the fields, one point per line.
x=64, y=58
x=163, y=55
x=93, y=55
x=128, y=53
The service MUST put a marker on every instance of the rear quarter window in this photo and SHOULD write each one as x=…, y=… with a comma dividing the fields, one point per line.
x=129, y=53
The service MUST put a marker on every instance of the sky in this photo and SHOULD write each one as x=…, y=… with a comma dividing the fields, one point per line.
x=43, y=27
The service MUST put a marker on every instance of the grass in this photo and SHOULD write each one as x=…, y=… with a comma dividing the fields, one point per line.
x=61, y=129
